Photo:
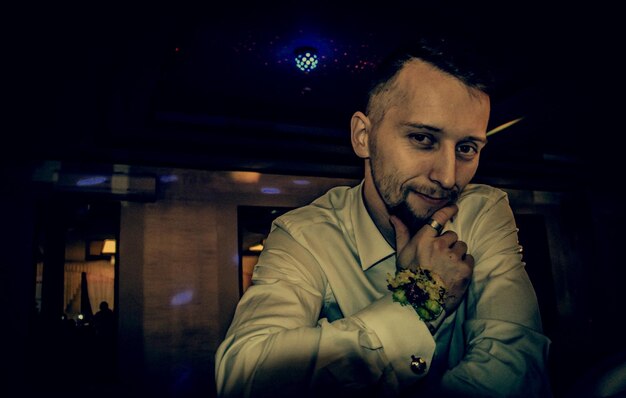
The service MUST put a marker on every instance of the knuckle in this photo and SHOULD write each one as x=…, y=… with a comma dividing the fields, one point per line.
x=451, y=235
x=440, y=245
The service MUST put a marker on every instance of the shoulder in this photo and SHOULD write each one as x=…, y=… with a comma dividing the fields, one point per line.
x=482, y=193
x=332, y=208
x=478, y=199
x=482, y=206
x=299, y=239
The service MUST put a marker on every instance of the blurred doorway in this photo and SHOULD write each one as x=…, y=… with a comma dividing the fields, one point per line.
x=76, y=270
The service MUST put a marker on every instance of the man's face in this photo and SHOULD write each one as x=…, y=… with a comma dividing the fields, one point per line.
x=426, y=147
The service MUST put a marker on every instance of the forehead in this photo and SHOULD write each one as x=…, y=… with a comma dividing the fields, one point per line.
x=425, y=79
x=422, y=91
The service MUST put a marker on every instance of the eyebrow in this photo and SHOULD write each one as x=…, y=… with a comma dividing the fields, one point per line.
x=423, y=126
x=439, y=130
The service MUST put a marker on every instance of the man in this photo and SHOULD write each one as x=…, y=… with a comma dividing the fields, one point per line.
x=362, y=293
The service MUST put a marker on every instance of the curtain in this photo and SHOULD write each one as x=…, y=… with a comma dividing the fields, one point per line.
x=100, y=279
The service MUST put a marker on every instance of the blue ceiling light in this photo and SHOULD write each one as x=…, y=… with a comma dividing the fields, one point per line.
x=306, y=58
x=270, y=190
x=89, y=181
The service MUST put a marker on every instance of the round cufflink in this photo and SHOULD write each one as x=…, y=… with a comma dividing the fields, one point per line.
x=418, y=365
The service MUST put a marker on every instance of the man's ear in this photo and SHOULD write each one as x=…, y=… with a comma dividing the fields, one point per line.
x=360, y=127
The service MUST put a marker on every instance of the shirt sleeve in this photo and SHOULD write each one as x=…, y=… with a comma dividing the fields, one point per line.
x=277, y=345
x=505, y=351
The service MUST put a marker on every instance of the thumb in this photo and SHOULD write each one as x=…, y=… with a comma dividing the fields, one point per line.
x=402, y=232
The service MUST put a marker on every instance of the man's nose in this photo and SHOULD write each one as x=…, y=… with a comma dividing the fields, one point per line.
x=444, y=167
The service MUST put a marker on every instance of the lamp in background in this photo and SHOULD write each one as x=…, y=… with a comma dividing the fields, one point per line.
x=104, y=247
x=109, y=246
x=306, y=58
x=256, y=248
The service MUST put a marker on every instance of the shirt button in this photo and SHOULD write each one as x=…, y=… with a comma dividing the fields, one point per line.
x=418, y=365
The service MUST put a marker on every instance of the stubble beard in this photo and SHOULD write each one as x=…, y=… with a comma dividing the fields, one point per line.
x=395, y=197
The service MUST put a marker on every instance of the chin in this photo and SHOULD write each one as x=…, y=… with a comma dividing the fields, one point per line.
x=413, y=219
x=422, y=213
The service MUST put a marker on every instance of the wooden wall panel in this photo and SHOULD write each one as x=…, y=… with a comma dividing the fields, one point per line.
x=180, y=289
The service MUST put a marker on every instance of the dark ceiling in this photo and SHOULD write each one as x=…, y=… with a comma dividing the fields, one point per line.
x=214, y=87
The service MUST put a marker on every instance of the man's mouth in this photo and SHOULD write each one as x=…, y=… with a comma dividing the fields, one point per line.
x=433, y=200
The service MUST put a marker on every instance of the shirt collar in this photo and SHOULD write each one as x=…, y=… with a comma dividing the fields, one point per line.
x=371, y=245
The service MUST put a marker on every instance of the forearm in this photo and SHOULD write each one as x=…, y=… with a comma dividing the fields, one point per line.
x=510, y=365
x=371, y=349
x=504, y=350
x=251, y=363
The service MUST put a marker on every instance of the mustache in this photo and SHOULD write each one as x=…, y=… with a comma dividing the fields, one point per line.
x=452, y=195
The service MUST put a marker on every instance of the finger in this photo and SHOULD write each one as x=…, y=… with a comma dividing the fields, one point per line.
x=459, y=248
x=448, y=240
x=402, y=232
x=441, y=216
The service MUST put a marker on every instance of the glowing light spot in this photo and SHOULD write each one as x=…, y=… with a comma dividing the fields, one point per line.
x=245, y=177
x=89, y=181
x=503, y=126
x=168, y=178
x=256, y=248
x=270, y=190
x=306, y=59
x=301, y=182
x=182, y=298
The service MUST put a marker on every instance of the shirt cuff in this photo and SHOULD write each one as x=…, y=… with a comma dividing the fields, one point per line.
x=404, y=336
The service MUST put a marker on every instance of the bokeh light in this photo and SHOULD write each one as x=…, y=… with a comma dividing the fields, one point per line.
x=306, y=59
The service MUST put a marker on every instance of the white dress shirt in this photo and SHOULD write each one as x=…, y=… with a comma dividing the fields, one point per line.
x=319, y=320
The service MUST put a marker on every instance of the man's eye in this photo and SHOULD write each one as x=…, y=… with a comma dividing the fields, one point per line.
x=422, y=139
x=467, y=150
